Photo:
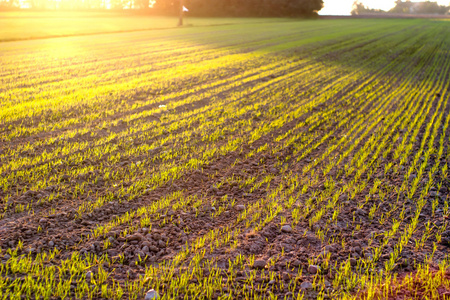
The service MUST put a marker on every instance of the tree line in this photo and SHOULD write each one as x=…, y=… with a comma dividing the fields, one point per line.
x=232, y=8
x=404, y=7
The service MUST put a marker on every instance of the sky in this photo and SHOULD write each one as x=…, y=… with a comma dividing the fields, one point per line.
x=344, y=7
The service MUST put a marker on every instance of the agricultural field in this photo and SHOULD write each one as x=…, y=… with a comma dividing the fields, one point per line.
x=24, y=25
x=282, y=160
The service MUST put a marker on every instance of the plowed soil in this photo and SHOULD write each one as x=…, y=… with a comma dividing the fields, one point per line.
x=234, y=162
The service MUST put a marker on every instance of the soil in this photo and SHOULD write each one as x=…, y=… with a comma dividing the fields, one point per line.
x=65, y=225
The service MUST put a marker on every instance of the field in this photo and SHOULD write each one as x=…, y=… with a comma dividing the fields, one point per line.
x=290, y=160
x=23, y=25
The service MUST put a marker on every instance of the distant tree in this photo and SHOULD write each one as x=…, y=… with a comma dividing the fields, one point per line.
x=40, y=4
x=426, y=7
x=402, y=7
x=359, y=9
x=305, y=7
x=8, y=3
x=261, y=8
x=141, y=4
x=431, y=8
x=233, y=8
x=171, y=7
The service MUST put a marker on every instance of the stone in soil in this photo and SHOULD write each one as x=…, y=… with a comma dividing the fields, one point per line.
x=286, y=229
x=135, y=237
x=313, y=269
x=259, y=264
x=296, y=263
x=360, y=212
x=306, y=285
x=240, y=207
x=151, y=294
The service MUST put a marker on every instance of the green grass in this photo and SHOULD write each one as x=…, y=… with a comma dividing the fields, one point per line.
x=32, y=25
